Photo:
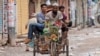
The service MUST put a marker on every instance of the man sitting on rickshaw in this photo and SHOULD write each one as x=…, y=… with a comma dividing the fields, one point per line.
x=37, y=27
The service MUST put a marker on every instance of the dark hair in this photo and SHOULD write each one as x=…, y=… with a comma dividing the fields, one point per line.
x=61, y=7
x=43, y=5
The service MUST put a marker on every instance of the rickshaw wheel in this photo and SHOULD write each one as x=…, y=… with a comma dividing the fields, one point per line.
x=34, y=49
x=53, y=51
x=67, y=47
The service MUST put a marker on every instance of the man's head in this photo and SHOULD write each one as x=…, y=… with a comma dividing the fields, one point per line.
x=55, y=8
x=61, y=8
x=43, y=7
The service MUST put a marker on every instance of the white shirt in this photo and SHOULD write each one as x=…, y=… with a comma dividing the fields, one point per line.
x=53, y=19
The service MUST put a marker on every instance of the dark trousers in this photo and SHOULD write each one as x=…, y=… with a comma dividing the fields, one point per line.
x=35, y=28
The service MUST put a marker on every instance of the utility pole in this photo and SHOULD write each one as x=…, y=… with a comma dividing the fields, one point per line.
x=83, y=23
x=79, y=13
x=89, y=12
x=11, y=21
x=72, y=10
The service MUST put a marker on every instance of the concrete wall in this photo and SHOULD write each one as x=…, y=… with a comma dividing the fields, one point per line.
x=81, y=6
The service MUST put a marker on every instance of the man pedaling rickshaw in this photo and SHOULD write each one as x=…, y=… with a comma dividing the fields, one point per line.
x=57, y=18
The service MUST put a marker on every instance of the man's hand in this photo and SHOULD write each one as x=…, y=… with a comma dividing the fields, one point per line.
x=66, y=21
x=64, y=25
x=58, y=23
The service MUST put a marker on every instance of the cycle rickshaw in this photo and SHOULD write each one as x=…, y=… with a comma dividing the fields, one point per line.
x=49, y=41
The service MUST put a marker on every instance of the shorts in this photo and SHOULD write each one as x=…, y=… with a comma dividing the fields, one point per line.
x=64, y=29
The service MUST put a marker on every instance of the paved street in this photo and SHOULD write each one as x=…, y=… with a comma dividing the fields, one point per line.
x=18, y=18
x=82, y=43
x=15, y=51
x=85, y=42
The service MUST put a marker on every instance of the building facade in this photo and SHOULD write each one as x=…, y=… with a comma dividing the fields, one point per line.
x=1, y=15
x=27, y=8
x=22, y=16
x=24, y=10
